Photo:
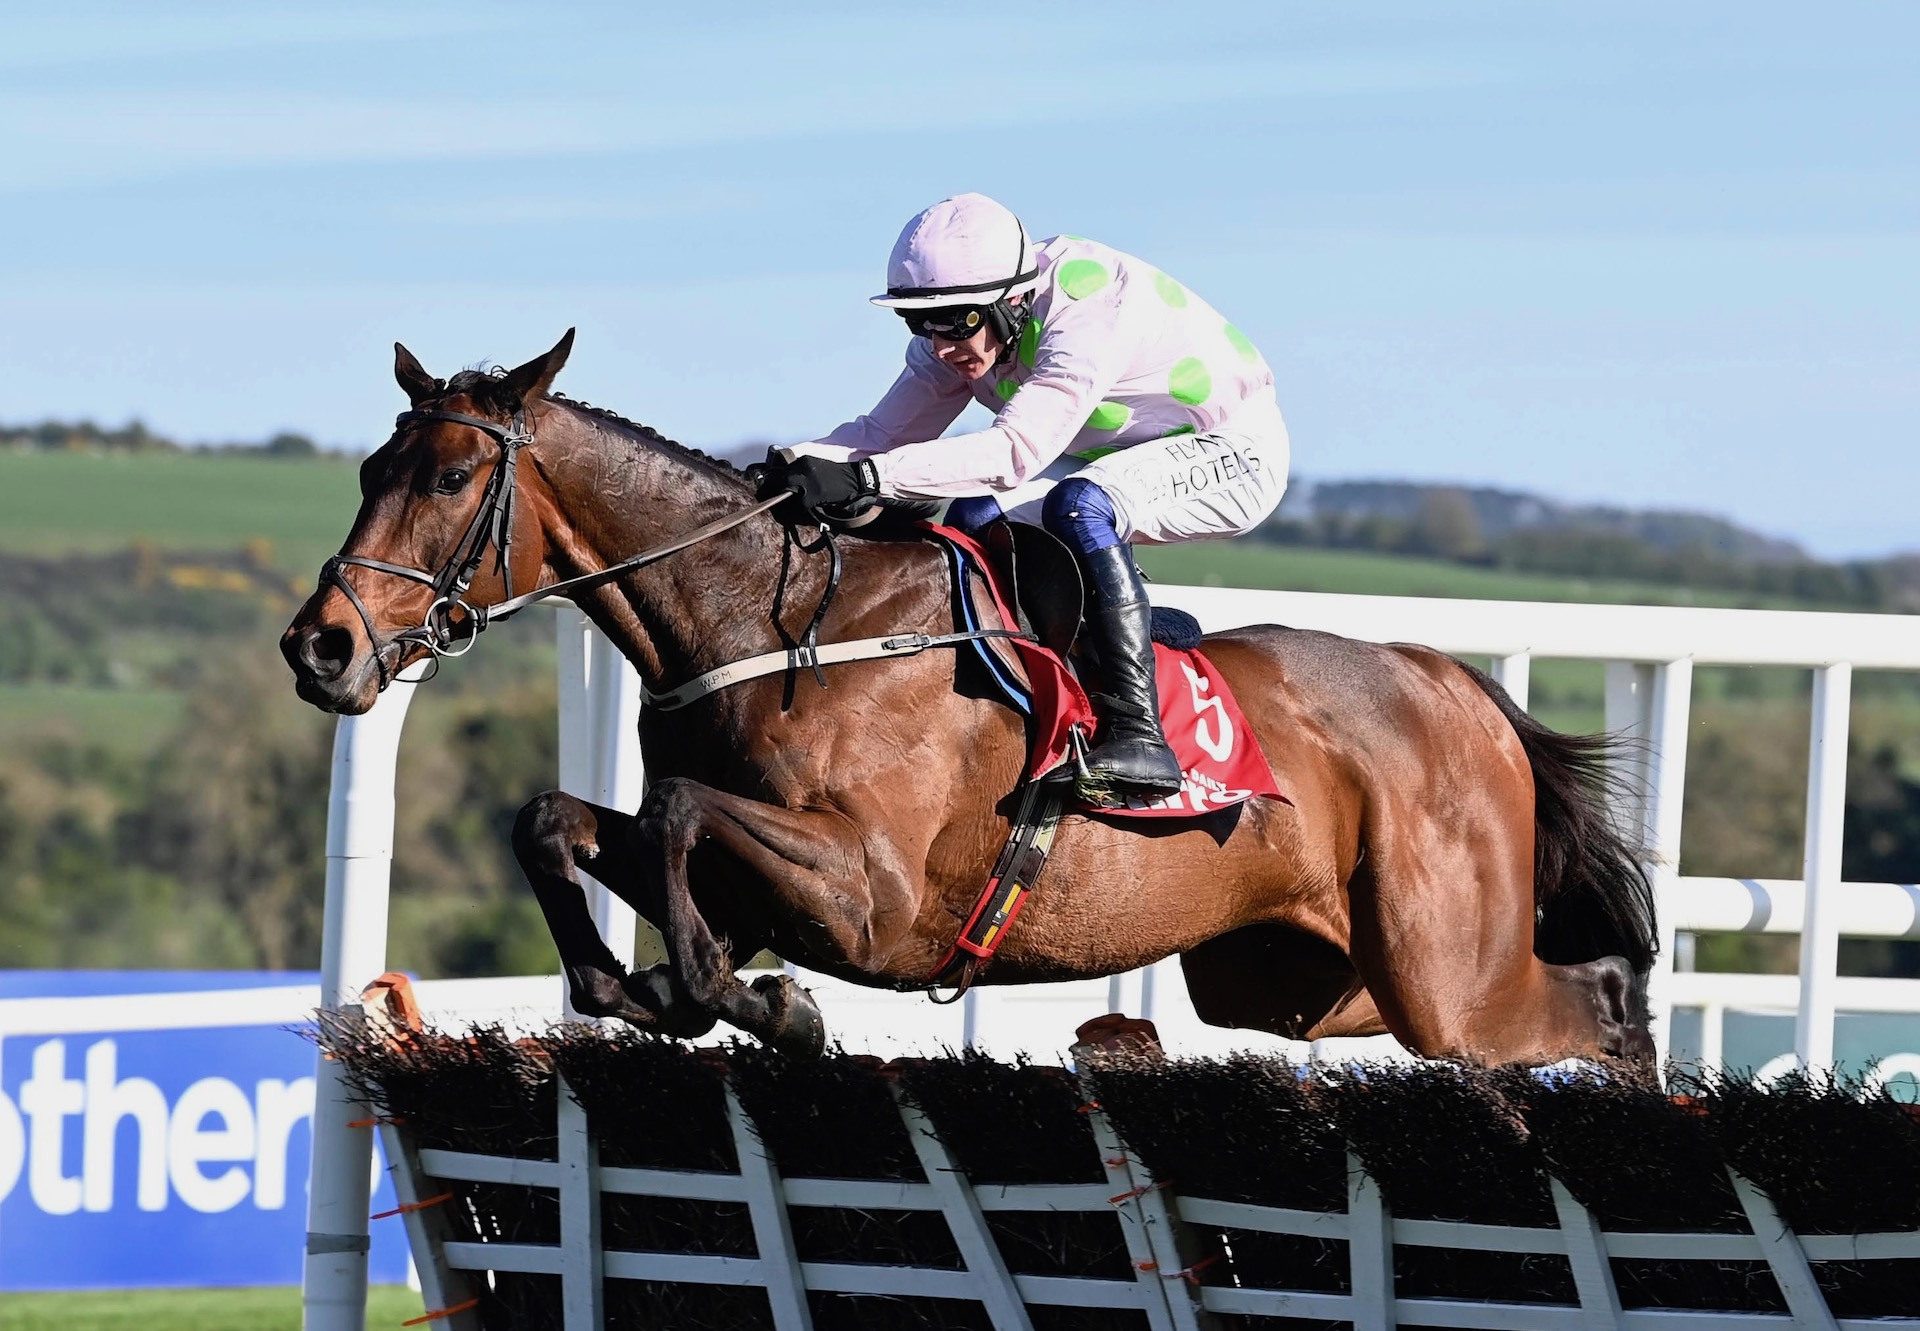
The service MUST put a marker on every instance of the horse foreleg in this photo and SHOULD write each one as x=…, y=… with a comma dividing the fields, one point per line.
x=554, y=837
x=813, y=866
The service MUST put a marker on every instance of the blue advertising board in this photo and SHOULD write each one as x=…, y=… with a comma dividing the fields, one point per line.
x=143, y=1158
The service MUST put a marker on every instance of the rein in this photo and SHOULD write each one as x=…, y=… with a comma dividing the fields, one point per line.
x=492, y=525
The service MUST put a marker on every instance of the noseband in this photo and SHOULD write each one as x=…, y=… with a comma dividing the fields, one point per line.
x=491, y=525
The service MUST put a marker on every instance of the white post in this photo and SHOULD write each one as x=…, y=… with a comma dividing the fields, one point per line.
x=1826, y=805
x=599, y=750
x=969, y=1018
x=1369, y=1251
x=573, y=637
x=582, y=1252
x=1651, y=704
x=1513, y=674
x=1713, y=1036
x=353, y=952
x=619, y=779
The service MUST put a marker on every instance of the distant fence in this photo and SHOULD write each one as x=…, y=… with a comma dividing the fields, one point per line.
x=584, y=1181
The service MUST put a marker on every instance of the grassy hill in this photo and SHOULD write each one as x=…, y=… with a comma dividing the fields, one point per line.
x=55, y=503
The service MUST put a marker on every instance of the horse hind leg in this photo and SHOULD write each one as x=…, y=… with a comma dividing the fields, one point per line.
x=554, y=837
x=1443, y=919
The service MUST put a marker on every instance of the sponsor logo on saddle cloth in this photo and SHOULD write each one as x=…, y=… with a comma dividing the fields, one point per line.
x=1215, y=746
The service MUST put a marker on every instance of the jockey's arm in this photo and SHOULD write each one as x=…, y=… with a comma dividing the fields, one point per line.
x=924, y=400
x=1081, y=355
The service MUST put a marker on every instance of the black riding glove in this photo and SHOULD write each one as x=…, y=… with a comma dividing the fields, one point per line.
x=822, y=484
x=822, y=487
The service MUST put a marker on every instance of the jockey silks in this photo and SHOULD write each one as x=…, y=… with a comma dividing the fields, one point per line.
x=1112, y=354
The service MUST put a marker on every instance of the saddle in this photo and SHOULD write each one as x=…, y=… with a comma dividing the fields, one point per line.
x=1038, y=579
x=1019, y=574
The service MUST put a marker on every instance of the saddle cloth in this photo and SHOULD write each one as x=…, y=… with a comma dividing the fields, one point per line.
x=1216, y=748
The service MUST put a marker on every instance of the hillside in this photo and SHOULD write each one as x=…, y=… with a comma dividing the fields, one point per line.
x=54, y=503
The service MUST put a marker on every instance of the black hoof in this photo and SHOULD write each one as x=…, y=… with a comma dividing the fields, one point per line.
x=669, y=1012
x=594, y=993
x=797, y=1029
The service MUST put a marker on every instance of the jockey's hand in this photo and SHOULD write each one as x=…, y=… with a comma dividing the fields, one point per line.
x=822, y=487
x=837, y=489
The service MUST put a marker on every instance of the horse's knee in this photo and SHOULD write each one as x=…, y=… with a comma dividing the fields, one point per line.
x=551, y=828
x=668, y=813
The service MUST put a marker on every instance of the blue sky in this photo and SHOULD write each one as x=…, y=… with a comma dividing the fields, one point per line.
x=1652, y=254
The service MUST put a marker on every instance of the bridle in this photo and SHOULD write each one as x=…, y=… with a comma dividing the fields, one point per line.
x=490, y=526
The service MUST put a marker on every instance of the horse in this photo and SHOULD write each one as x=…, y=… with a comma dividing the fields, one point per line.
x=1446, y=870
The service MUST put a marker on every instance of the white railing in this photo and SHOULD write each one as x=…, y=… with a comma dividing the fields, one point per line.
x=1649, y=653
x=1163, y=1228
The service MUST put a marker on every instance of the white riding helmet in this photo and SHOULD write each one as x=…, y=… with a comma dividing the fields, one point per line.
x=966, y=250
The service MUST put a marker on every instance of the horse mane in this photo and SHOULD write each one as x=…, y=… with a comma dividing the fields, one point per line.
x=483, y=385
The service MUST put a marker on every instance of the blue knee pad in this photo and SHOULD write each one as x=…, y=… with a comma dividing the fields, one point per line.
x=1080, y=513
x=973, y=513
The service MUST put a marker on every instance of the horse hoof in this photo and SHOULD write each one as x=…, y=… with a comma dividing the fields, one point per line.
x=669, y=1013
x=594, y=993
x=797, y=1029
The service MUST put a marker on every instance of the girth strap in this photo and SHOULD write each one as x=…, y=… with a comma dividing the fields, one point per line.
x=811, y=658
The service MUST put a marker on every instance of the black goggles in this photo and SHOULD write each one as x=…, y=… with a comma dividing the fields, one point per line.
x=955, y=323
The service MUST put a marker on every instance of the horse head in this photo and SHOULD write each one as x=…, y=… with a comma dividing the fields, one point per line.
x=448, y=525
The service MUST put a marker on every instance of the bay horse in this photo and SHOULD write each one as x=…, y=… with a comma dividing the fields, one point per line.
x=1446, y=871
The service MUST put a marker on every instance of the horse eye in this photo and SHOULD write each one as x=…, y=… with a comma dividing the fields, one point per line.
x=452, y=481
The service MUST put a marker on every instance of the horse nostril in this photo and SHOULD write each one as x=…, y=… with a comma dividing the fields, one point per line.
x=326, y=652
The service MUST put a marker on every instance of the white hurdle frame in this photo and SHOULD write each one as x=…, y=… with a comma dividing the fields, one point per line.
x=1158, y=1226
x=1650, y=651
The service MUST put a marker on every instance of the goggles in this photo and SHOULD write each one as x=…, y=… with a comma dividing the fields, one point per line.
x=955, y=323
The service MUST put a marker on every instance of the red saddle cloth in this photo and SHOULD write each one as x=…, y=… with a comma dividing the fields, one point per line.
x=1216, y=748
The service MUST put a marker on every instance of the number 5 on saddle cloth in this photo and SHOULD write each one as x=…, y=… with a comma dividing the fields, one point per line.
x=1026, y=576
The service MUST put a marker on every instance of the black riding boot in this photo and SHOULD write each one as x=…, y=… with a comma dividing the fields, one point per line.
x=1132, y=757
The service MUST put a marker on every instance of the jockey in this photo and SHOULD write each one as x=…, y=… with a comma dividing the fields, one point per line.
x=1125, y=410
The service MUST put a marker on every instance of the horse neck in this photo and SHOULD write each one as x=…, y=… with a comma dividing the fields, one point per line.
x=617, y=493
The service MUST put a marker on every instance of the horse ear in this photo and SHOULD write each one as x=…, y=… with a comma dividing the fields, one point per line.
x=530, y=382
x=414, y=381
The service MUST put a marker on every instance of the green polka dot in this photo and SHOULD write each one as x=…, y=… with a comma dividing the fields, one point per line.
x=1083, y=277
x=1029, y=342
x=1170, y=291
x=1006, y=388
x=1241, y=344
x=1110, y=416
x=1189, y=381
x=1178, y=429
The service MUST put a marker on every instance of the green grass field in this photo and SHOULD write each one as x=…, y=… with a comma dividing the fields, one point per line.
x=187, y=1310
x=125, y=721
x=52, y=503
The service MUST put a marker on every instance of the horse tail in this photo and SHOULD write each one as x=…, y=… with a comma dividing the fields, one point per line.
x=1592, y=897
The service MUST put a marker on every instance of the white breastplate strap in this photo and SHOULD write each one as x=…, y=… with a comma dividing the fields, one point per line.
x=802, y=658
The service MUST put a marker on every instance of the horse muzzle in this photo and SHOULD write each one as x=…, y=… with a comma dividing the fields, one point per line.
x=332, y=669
